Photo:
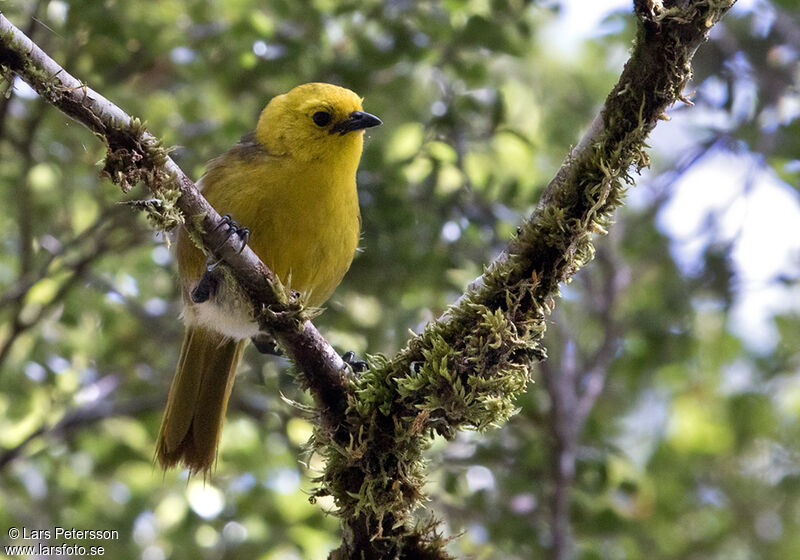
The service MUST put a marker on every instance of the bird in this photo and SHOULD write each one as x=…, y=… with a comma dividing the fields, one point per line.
x=292, y=184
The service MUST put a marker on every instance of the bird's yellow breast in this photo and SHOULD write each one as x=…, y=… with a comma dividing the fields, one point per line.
x=292, y=183
x=303, y=218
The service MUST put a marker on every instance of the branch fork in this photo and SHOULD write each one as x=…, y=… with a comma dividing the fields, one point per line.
x=466, y=369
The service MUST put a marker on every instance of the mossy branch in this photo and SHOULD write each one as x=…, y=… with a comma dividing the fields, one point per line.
x=466, y=369
x=135, y=155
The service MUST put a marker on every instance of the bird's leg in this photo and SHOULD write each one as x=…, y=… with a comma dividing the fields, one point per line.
x=359, y=366
x=208, y=284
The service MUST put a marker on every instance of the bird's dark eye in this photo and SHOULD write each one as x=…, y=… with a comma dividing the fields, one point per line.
x=321, y=118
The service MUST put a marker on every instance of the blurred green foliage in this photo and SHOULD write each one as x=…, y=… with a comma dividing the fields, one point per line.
x=689, y=452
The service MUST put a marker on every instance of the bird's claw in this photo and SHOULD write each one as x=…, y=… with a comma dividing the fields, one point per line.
x=359, y=366
x=242, y=233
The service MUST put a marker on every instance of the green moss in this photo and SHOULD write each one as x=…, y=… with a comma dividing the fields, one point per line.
x=161, y=210
x=15, y=60
x=466, y=372
x=464, y=375
x=196, y=229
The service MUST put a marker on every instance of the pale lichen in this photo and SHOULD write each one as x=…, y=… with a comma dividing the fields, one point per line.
x=132, y=157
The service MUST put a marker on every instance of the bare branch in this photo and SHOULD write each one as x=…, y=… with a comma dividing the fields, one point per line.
x=88, y=237
x=7, y=96
x=573, y=396
x=80, y=418
x=77, y=270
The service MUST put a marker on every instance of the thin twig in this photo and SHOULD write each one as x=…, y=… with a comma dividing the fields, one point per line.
x=89, y=236
x=80, y=418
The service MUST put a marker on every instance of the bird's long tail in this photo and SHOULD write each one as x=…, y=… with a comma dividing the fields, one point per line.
x=198, y=398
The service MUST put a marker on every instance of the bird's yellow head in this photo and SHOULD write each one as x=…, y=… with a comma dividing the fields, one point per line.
x=315, y=121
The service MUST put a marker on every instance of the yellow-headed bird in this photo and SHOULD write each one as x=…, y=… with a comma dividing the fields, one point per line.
x=292, y=183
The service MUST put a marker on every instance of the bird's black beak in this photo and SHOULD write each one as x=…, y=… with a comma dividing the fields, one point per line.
x=357, y=120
